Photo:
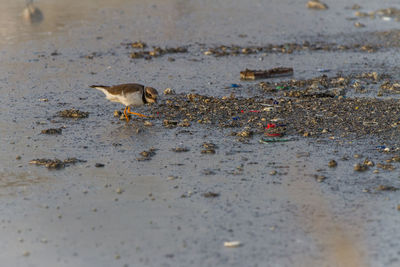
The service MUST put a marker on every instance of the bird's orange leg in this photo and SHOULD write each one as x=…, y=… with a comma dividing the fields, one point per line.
x=126, y=116
x=134, y=113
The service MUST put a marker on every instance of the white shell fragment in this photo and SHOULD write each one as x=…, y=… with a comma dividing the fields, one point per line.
x=232, y=244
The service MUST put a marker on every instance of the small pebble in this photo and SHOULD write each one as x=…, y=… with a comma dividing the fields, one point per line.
x=317, y=5
x=332, y=163
x=320, y=178
x=117, y=113
x=360, y=167
x=99, y=165
x=169, y=91
x=359, y=25
x=232, y=244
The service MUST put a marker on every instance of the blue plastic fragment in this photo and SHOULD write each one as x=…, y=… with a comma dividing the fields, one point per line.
x=235, y=85
x=235, y=118
x=276, y=102
x=324, y=70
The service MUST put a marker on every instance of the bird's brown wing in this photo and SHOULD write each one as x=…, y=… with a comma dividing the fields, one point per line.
x=125, y=88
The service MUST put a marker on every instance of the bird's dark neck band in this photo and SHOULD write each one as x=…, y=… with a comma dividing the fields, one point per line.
x=144, y=96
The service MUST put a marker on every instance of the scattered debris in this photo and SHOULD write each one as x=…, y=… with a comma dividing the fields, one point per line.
x=388, y=167
x=147, y=154
x=359, y=25
x=232, y=244
x=233, y=85
x=208, y=151
x=156, y=52
x=209, y=148
x=170, y=123
x=99, y=165
x=368, y=163
x=55, y=163
x=209, y=145
x=208, y=172
x=274, y=130
x=52, y=131
x=180, y=149
x=246, y=132
x=319, y=178
x=263, y=74
x=355, y=7
x=118, y=113
x=332, y=163
x=386, y=14
x=73, y=113
x=210, y=195
x=139, y=44
x=169, y=91
x=184, y=123
x=316, y=4
x=289, y=48
x=360, y=167
x=386, y=188
x=304, y=113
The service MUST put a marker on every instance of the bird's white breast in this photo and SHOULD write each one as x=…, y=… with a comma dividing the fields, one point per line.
x=132, y=99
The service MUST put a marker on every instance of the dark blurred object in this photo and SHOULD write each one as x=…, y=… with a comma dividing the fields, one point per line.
x=32, y=14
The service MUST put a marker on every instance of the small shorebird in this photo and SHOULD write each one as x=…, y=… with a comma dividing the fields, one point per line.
x=130, y=94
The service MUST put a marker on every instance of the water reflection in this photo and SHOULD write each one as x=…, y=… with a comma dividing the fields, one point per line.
x=26, y=20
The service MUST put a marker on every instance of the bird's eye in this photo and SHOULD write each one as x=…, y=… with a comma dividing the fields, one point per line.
x=148, y=95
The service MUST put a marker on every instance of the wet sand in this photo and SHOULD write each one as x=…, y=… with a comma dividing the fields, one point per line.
x=280, y=200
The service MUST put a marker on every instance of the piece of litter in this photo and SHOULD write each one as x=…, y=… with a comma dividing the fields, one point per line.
x=260, y=74
x=232, y=244
x=169, y=91
x=317, y=5
x=323, y=70
x=268, y=109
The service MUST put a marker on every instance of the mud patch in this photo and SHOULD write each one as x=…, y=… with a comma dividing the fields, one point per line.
x=73, y=113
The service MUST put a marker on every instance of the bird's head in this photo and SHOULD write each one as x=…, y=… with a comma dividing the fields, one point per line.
x=150, y=95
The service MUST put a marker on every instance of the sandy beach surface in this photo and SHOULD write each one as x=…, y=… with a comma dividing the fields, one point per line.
x=195, y=184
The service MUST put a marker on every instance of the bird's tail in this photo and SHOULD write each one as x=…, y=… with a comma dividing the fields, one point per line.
x=100, y=86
